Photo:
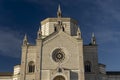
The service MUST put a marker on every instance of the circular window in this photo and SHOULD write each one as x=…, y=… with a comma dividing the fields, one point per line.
x=58, y=55
x=59, y=78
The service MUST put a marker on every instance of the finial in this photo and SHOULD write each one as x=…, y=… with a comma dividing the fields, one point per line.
x=25, y=41
x=59, y=13
x=39, y=35
x=93, y=39
x=78, y=33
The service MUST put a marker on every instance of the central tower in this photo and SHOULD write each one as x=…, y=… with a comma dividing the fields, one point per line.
x=50, y=25
x=57, y=54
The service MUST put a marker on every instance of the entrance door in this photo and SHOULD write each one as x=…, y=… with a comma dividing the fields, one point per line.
x=59, y=78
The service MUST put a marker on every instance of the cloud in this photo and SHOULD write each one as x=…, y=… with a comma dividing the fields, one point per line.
x=110, y=8
x=10, y=43
x=108, y=48
x=108, y=36
x=105, y=23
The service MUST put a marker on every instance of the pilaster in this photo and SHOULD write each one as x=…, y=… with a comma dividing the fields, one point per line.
x=81, y=60
x=38, y=59
x=23, y=62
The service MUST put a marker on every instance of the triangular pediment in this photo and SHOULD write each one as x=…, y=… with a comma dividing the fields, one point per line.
x=60, y=34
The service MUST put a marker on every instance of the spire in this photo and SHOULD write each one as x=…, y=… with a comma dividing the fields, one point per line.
x=59, y=13
x=39, y=29
x=25, y=41
x=93, y=35
x=93, y=39
x=25, y=37
x=78, y=33
x=39, y=34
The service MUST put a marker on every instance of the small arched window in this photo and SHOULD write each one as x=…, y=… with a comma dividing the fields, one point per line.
x=55, y=29
x=87, y=66
x=63, y=28
x=31, y=67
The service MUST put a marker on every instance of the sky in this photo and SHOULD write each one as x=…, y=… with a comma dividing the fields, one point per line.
x=19, y=17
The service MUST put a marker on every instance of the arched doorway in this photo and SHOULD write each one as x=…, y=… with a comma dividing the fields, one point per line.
x=59, y=78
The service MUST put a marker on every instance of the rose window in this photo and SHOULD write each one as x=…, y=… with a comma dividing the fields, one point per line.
x=58, y=55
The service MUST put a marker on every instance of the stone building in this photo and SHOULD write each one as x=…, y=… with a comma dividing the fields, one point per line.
x=59, y=54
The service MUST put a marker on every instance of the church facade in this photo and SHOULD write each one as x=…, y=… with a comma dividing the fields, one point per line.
x=59, y=54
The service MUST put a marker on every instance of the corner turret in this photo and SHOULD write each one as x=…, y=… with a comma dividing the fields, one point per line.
x=93, y=39
x=25, y=40
x=78, y=33
x=39, y=34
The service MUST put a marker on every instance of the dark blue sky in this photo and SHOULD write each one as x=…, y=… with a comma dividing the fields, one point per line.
x=18, y=17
